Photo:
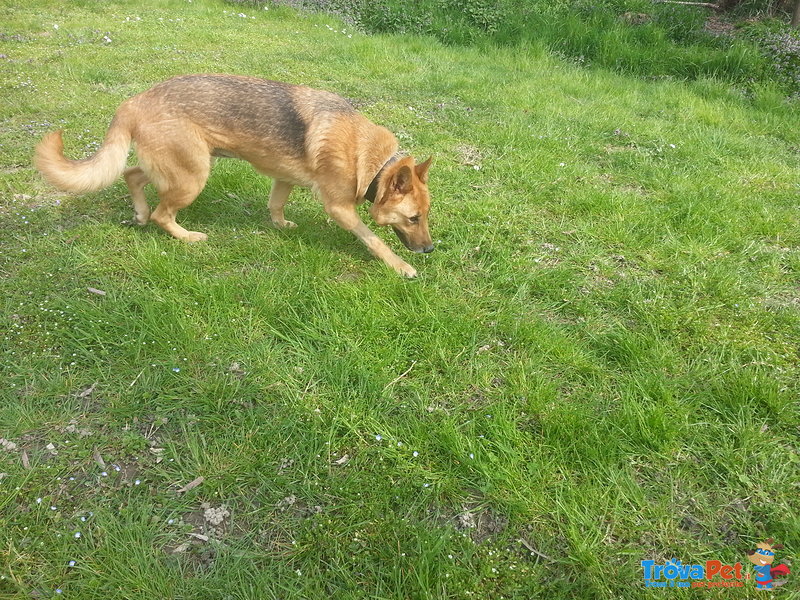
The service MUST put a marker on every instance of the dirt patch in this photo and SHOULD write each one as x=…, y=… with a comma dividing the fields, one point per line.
x=782, y=301
x=208, y=525
x=198, y=556
x=128, y=473
x=632, y=18
x=74, y=427
x=717, y=26
x=482, y=524
x=26, y=204
x=469, y=156
x=207, y=522
x=477, y=519
x=297, y=508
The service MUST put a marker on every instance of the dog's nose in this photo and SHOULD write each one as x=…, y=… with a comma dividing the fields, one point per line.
x=428, y=249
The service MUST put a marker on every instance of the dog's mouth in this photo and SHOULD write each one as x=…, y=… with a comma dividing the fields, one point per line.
x=407, y=243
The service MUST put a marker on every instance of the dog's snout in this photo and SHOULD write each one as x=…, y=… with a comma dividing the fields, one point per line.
x=428, y=249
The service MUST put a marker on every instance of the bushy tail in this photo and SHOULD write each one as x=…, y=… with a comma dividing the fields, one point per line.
x=89, y=174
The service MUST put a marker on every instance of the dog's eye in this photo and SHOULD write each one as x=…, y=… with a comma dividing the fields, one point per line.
x=414, y=220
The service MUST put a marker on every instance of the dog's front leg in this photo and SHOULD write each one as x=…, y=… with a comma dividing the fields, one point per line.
x=277, y=200
x=347, y=218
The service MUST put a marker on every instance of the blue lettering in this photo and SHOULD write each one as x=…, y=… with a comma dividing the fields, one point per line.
x=685, y=569
x=671, y=570
x=697, y=572
x=674, y=570
x=647, y=565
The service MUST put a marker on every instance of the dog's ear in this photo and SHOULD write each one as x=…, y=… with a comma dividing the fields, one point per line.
x=422, y=170
x=401, y=181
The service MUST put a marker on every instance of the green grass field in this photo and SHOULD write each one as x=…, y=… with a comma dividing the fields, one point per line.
x=598, y=365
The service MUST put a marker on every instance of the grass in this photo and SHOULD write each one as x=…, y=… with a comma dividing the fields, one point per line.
x=635, y=37
x=600, y=359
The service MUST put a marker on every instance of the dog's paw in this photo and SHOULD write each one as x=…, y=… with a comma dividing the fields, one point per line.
x=284, y=224
x=194, y=236
x=405, y=270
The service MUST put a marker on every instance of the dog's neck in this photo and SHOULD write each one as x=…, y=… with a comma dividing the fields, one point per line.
x=372, y=190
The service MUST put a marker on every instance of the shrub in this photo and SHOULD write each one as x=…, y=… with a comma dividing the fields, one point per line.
x=633, y=36
x=780, y=45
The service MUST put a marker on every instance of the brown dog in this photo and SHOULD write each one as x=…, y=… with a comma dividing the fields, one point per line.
x=294, y=134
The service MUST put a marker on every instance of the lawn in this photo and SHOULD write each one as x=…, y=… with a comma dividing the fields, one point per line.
x=598, y=365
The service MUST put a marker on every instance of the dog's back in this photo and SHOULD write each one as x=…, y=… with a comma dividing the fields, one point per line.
x=239, y=112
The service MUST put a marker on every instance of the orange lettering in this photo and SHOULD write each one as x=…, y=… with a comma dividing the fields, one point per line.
x=712, y=568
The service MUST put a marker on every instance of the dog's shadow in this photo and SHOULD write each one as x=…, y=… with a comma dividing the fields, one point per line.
x=238, y=211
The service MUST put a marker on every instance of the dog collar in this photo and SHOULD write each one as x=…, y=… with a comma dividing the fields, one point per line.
x=372, y=190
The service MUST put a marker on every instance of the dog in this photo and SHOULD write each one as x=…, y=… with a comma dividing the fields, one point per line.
x=297, y=135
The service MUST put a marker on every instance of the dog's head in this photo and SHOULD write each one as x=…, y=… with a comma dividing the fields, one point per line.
x=764, y=553
x=403, y=202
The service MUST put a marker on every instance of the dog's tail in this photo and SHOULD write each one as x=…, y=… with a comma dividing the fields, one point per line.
x=88, y=174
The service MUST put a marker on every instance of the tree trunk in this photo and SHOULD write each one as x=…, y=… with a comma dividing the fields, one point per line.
x=796, y=15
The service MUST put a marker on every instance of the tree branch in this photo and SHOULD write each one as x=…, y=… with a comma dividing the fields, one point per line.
x=707, y=4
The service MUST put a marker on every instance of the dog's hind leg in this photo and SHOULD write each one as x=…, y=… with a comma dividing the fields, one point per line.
x=277, y=200
x=172, y=200
x=136, y=180
x=176, y=160
x=177, y=195
x=178, y=177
